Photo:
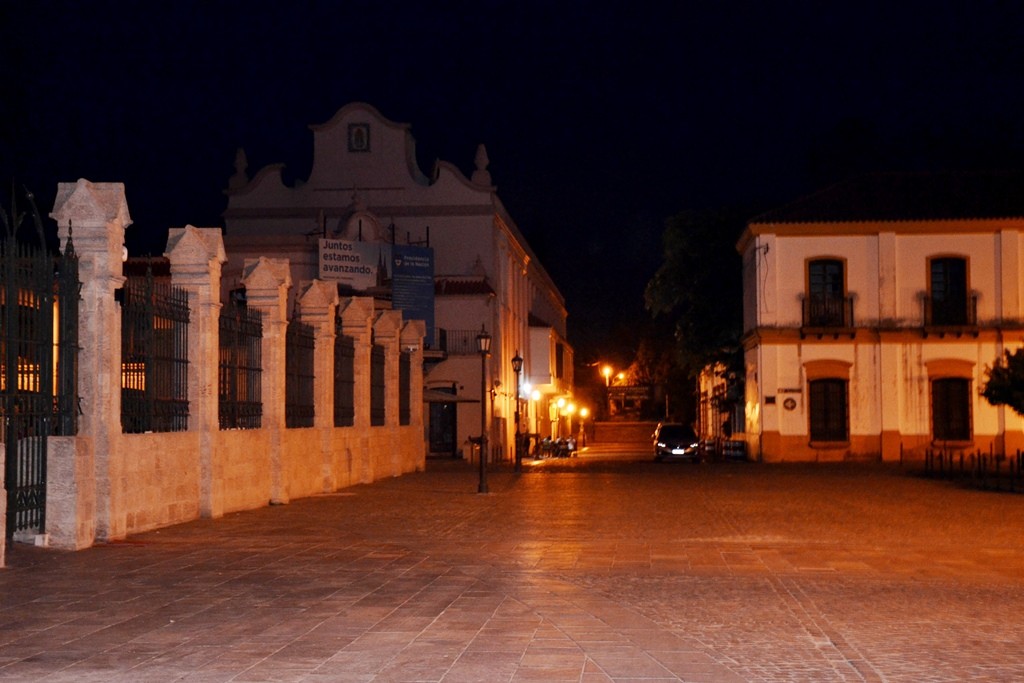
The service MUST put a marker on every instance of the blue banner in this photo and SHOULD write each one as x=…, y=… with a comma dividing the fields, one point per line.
x=412, y=284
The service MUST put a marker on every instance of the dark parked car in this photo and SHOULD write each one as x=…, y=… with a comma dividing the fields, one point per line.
x=676, y=441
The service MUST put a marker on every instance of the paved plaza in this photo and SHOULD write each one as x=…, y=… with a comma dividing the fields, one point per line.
x=600, y=568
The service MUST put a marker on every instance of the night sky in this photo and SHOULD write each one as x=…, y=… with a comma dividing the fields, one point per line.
x=599, y=122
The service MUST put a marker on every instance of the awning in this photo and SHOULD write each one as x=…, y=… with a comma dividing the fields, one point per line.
x=433, y=396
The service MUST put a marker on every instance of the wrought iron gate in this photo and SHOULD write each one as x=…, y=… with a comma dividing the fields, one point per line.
x=38, y=358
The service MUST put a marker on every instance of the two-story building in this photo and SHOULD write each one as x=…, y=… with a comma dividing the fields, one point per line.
x=871, y=312
x=442, y=248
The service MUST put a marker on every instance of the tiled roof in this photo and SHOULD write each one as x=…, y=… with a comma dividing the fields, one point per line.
x=461, y=286
x=908, y=196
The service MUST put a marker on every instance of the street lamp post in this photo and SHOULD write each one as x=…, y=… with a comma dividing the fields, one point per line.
x=517, y=367
x=607, y=372
x=483, y=345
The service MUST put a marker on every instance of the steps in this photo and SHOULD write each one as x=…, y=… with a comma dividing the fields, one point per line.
x=623, y=432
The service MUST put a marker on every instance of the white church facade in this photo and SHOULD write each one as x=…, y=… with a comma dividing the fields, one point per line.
x=442, y=248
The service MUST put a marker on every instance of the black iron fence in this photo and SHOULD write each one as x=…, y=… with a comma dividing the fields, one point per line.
x=39, y=294
x=344, y=377
x=404, y=388
x=300, y=403
x=240, y=373
x=154, y=356
x=377, y=386
x=67, y=297
x=979, y=469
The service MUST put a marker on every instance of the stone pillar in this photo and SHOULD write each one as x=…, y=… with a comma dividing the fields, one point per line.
x=196, y=256
x=316, y=306
x=96, y=215
x=411, y=340
x=267, y=282
x=416, y=442
x=357, y=322
x=386, y=331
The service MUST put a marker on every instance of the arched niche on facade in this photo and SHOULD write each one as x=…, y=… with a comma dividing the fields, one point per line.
x=362, y=226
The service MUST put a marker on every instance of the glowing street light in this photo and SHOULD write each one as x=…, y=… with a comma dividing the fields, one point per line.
x=607, y=372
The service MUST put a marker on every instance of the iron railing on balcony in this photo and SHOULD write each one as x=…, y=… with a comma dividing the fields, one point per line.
x=457, y=342
x=962, y=313
x=828, y=311
x=453, y=342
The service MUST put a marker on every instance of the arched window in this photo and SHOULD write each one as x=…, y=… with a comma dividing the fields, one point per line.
x=947, y=294
x=826, y=294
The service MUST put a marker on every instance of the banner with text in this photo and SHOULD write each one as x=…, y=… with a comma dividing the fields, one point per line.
x=412, y=288
x=405, y=272
x=360, y=265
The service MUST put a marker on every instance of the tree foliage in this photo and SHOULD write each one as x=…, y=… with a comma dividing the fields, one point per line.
x=698, y=287
x=1004, y=383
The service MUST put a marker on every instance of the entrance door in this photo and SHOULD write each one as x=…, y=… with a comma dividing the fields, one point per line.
x=443, y=426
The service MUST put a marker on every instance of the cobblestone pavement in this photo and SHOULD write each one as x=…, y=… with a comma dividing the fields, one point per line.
x=598, y=568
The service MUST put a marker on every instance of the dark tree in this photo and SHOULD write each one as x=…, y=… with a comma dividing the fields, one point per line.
x=698, y=288
x=1004, y=384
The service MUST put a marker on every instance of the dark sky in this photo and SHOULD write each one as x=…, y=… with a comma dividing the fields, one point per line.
x=600, y=122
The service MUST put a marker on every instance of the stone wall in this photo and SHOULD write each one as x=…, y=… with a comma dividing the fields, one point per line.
x=104, y=484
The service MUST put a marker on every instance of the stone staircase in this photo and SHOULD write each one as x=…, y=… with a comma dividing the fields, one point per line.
x=623, y=432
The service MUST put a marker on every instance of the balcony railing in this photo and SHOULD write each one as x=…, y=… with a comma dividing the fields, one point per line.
x=454, y=342
x=944, y=315
x=828, y=312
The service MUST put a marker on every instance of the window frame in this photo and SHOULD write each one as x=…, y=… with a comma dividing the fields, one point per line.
x=825, y=303
x=945, y=303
